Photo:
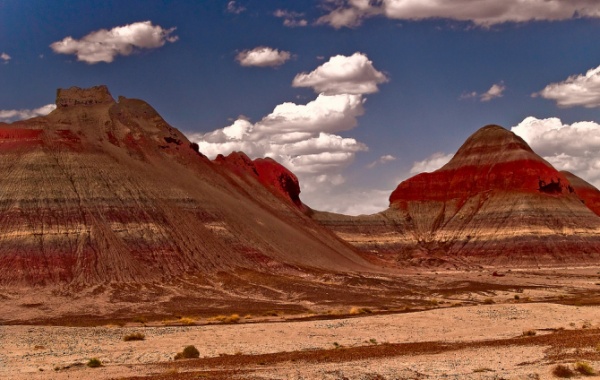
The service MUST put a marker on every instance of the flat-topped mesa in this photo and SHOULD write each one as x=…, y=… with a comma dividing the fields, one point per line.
x=492, y=159
x=83, y=96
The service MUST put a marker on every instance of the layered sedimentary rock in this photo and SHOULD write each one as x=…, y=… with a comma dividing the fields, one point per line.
x=495, y=202
x=103, y=191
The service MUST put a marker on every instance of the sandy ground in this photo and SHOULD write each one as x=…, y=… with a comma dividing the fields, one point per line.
x=51, y=352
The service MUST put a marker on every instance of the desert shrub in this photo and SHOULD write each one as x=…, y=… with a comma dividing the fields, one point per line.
x=585, y=369
x=94, y=363
x=187, y=321
x=517, y=297
x=563, y=371
x=360, y=310
x=488, y=301
x=529, y=333
x=233, y=318
x=189, y=352
x=134, y=336
x=140, y=319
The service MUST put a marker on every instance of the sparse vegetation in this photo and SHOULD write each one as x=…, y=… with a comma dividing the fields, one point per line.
x=517, y=297
x=233, y=318
x=187, y=321
x=529, y=333
x=585, y=369
x=360, y=310
x=483, y=369
x=134, y=336
x=140, y=319
x=189, y=352
x=563, y=371
x=373, y=341
x=94, y=363
x=488, y=301
x=337, y=345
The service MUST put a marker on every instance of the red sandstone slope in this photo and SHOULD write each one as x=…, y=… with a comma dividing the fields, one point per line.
x=102, y=191
x=588, y=194
x=495, y=202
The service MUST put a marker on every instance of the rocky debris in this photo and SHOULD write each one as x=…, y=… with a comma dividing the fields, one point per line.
x=496, y=202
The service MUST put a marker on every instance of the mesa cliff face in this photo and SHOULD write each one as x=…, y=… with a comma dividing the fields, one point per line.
x=104, y=191
x=496, y=202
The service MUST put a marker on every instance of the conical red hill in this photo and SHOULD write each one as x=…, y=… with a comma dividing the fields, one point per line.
x=102, y=191
x=496, y=202
x=492, y=159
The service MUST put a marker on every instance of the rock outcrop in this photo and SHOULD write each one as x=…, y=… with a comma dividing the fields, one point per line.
x=104, y=191
x=496, y=202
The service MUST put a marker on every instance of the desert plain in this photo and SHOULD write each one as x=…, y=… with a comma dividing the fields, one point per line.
x=480, y=323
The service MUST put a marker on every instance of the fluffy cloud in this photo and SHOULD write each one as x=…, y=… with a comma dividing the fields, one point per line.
x=382, y=160
x=5, y=57
x=12, y=115
x=291, y=19
x=104, y=45
x=350, y=13
x=300, y=136
x=496, y=91
x=343, y=75
x=573, y=147
x=304, y=137
x=348, y=201
x=431, y=163
x=263, y=56
x=576, y=90
x=233, y=7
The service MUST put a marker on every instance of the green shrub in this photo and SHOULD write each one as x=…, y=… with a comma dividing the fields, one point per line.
x=94, y=363
x=189, y=352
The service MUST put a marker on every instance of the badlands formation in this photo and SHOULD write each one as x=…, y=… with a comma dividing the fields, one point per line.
x=112, y=222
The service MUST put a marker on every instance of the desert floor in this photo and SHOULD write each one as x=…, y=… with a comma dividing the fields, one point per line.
x=470, y=325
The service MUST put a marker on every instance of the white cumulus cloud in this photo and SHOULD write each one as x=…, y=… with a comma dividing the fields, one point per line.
x=263, y=56
x=291, y=19
x=496, y=91
x=431, y=163
x=5, y=57
x=299, y=136
x=353, y=74
x=382, y=160
x=577, y=90
x=22, y=114
x=573, y=147
x=235, y=8
x=104, y=45
x=485, y=13
x=305, y=137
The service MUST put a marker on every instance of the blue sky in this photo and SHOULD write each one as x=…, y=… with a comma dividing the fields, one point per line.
x=353, y=96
